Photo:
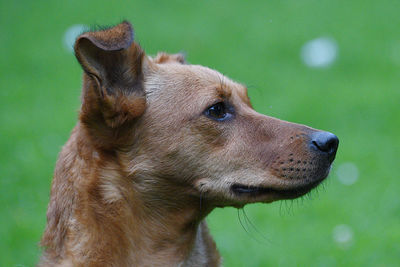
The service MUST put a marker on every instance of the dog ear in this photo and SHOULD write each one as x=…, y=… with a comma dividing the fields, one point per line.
x=163, y=57
x=113, y=79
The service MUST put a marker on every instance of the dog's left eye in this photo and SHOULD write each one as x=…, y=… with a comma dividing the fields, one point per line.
x=219, y=112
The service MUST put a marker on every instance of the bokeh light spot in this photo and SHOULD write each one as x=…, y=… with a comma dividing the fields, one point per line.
x=320, y=52
x=343, y=235
x=70, y=35
x=347, y=173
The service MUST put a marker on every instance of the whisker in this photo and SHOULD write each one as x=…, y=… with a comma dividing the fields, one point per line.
x=265, y=238
x=248, y=232
x=241, y=223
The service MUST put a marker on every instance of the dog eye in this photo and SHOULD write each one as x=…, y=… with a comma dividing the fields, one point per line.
x=219, y=112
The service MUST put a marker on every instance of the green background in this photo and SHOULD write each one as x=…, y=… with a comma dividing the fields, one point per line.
x=257, y=43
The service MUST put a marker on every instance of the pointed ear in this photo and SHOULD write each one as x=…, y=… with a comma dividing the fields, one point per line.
x=113, y=79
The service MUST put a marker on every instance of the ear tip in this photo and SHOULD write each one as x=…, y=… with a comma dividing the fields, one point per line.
x=127, y=24
x=114, y=38
x=128, y=28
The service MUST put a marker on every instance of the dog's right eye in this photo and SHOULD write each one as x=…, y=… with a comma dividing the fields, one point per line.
x=219, y=112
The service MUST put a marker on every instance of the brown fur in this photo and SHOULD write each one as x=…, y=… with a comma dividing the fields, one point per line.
x=144, y=166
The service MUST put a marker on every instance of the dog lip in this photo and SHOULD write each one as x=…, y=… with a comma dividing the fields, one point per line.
x=246, y=189
x=241, y=189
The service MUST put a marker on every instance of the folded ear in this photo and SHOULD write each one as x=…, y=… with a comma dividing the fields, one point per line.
x=113, y=79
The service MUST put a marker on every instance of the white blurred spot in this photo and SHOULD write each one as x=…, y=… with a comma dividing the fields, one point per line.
x=70, y=35
x=320, y=52
x=347, y=173
x=343, y=235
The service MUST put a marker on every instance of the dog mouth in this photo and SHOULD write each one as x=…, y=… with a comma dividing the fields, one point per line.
x=288, y=193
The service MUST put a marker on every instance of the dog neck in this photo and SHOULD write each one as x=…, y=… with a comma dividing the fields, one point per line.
x=171, y=227
x=118, y=218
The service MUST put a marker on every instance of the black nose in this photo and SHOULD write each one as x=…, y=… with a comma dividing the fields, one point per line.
x=325, y=142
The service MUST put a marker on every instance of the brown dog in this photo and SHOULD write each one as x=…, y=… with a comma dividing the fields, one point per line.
x=159, y=144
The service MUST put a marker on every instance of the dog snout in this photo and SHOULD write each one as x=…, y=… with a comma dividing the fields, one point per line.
x=326, y=143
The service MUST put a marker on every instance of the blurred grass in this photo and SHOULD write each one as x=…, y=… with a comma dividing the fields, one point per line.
x=257, y=43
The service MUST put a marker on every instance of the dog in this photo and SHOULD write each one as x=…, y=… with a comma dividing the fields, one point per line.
x=159, y=144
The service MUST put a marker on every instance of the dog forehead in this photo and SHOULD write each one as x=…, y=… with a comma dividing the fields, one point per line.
x=223, y=86
x=194, y=79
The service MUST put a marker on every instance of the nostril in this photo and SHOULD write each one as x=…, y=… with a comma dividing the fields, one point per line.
x=315, y=143
x=325, y=142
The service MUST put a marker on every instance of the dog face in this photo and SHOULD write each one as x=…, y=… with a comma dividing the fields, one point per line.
x=192, y=127
x=210, y=137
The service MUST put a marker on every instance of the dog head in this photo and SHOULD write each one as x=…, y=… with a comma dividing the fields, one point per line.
x=187, y=129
